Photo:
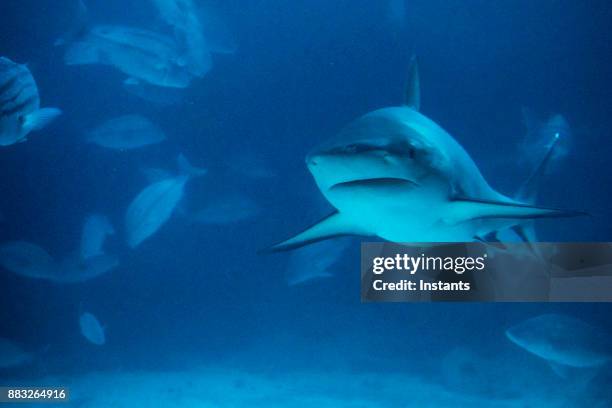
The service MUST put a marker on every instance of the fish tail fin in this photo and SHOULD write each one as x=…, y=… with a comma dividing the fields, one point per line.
x=187, y=168
x=40, y=118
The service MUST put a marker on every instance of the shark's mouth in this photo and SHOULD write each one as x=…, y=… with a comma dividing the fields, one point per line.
x=376, y=182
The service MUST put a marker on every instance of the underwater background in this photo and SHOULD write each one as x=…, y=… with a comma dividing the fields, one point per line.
x=199, y=300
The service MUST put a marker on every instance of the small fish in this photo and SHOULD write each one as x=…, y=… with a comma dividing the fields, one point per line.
x=563, y=341
x=20, y=111
x=13, y=355
x=315, y=261
x=228, y=209
x=156, y=203
x=183, y=16
x=75, y=269
x=157, y=95
x=95, y=230
x=31, y=261
x=200, y=29
x=26, y=259
x=140, y=54
x=91, y=329
x=126, y=132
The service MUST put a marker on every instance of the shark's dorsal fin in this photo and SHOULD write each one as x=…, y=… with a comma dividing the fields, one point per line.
x=529, y=189
x=334, y=225
x=412, y=96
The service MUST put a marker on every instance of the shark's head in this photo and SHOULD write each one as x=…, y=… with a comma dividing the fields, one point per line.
x=377, y=146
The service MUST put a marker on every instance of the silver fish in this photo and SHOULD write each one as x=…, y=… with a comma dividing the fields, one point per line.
x=140, y=54
x=315, y=261
x=91, y=329
x=126, y=132
x=20, y=111
x=26, y=259
x=157, y=95
x=200, y=29
x=156, y=203
x=75, y=269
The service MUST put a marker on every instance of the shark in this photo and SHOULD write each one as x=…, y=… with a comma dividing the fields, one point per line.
x=396, y=174
x=564, y=342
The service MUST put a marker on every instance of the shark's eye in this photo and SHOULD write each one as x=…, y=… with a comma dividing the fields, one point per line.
x=411, y=152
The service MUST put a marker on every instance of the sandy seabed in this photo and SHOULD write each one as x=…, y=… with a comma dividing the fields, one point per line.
x=221, y=388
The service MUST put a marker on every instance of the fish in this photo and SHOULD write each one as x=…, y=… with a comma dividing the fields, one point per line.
x=200, y=28
x=228, y=209
x=154, y=205
x=126, y=132
x=91, y=329
x=183, y=16
x=140, y=54
x=76, y=269
x=396, y=174
x=95, y=230
x=157, y=95
x=31, y=261
x=20, y=111
x=26, y=259
x=541, y=135
x=13, y=355
x=314, y=262
x=563, y=341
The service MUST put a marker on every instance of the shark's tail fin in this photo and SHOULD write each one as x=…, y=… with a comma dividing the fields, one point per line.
x=188, y=169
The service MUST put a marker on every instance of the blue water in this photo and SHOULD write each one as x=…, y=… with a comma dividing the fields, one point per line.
x=201, y=296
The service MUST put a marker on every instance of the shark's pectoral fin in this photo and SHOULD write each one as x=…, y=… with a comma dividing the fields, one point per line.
x=334, y=225
x=464, y=209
